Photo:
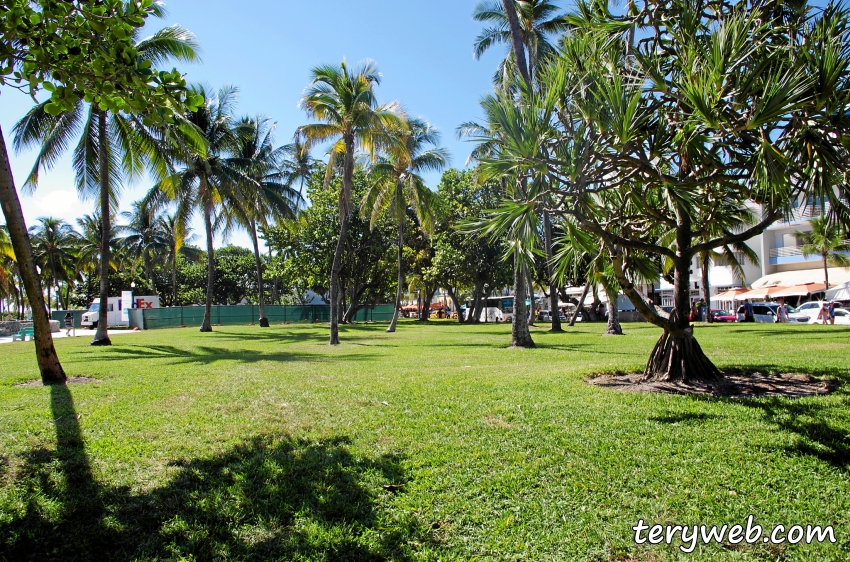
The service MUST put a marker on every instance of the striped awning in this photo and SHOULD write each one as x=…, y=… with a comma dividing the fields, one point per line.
x=800, y=290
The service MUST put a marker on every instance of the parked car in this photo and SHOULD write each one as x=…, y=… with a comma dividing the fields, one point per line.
x=762, y=312
x=810, y=316
x=814, y=305
x=546, y=316
x=719, y=315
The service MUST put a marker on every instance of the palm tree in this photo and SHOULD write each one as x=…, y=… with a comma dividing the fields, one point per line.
x=265, y=195
x=297, y=165
x=525, y=25
x=827, y=240
x=111, y=147
x=208, y=177
x=344, y=101
x=397, y=186
x=143, y=239
x=7, y=259
x=179, y=238
x=53, y=244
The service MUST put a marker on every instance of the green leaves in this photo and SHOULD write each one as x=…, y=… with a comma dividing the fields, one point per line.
x=86, y=47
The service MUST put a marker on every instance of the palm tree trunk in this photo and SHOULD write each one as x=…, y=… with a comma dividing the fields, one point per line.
x=206, y=325
x=706, y=290
x=101, y=336
x=553, y=288
x=344, y=216
x=516, y=39
x=60, y=297
x=531, y=295
x=264, y=322
x=580, y=306
x=520, y=336
x=825, y=272
x=400, y=287
x=613, y=328
x=48, y=362
x=174, y=278
x=149, y=272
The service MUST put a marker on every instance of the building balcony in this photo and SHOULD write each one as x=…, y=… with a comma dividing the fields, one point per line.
x=793, y=254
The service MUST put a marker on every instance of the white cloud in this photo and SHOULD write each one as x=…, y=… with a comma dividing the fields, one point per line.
x=63, y=203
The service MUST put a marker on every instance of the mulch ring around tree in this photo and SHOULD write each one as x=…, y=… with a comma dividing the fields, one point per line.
x=71, y=380
x=735, y=384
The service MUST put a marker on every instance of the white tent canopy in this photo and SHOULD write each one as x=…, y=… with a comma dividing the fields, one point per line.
x=840, y=293
x=802, y=277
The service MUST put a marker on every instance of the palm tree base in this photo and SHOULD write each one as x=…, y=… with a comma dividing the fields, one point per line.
x=101, y=341
x=264, y=322
x=206, y=329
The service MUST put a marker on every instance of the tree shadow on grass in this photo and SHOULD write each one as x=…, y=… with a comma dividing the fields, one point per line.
x=684, y=417
x=821, y=426
x=817, y=427
x=272, y=497
x=206, y=355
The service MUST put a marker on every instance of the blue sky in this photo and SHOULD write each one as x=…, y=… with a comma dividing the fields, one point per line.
x=267, y=48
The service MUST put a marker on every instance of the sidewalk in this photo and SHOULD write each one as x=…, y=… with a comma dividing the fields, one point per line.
x=79, y=334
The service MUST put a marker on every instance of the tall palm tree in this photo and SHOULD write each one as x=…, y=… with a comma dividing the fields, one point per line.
x=143, y=240
x=266, y=195
x=397, y=186
x=344, y=101
x=112, y=147
x=297, y=165
x=208, y=177
x=828, y=240
x=526, y=26
x=53, y=244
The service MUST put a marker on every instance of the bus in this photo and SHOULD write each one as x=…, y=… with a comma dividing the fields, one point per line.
x=498, y=309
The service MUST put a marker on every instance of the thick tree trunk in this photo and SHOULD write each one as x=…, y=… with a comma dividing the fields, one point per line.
x=344, y=217
x=206, y=325
x=400, y=287
x=453, y=296
x=425, y=311
x=613, y=328
x=101, y=335
x=48, y=362
x=520, y=335
x=553, y=288
x=264, y=322
x=677, y=357
x=580, y=306
x=706, y=290
x=516, y=39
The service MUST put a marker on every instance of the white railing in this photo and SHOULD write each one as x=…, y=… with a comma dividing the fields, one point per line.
x=790, y=251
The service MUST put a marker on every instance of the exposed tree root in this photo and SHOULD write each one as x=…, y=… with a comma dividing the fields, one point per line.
x=679, y=358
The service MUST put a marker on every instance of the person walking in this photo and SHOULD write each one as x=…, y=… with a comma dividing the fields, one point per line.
x=748, y=311
x=823, y=314
x=782, y=312
x=69, y=324
x=831, y=310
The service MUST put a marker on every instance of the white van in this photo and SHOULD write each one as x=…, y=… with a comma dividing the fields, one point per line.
x=113, y=313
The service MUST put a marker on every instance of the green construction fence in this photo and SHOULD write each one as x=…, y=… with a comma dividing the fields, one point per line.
x=174, y=317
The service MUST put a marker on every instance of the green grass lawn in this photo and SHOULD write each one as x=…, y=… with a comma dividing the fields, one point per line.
x=253, y=444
